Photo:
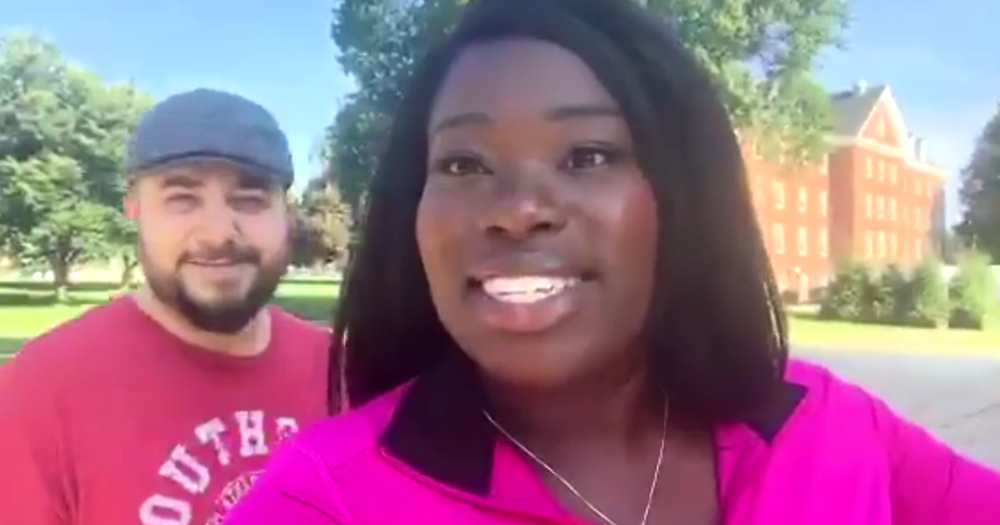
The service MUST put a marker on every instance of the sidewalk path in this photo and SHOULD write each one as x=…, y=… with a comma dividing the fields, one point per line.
x=956, y=397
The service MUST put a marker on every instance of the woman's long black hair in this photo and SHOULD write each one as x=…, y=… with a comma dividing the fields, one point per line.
x=715, y=331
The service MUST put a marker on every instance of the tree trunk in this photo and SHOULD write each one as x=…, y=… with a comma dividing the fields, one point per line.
x=60, y=278
x=127, y=277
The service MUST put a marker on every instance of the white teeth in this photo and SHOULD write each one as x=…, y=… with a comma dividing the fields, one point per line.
x=526, y=289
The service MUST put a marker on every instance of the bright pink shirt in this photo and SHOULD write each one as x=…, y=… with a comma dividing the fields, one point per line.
x=834, y=456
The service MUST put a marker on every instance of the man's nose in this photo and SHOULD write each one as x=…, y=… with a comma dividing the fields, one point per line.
x=217, y=224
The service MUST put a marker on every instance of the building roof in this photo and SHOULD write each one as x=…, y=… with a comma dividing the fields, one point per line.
x=851, y=108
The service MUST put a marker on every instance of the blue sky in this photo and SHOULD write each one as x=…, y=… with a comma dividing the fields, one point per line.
x=935, y=56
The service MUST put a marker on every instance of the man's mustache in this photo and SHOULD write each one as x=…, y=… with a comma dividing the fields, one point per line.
x=230, y=253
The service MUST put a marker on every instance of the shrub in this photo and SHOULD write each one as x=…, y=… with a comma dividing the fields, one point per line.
x=891, y=297
x=927, y=296
x=973, y=292
x=848, y=293
x=877, y=307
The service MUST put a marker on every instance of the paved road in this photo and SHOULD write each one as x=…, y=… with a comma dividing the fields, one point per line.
x=956, y=397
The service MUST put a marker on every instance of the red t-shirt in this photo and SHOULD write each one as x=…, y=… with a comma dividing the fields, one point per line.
x=111, y=420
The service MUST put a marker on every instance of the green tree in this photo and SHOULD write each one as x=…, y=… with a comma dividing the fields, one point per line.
x=323, y=225
x=929, y=295
x=123, y=238
x=761, y=55
x=355, y=140
x=848, y=295
x=62, y=137
x=973, y=292
x=888, y=295
x=980, y=193
x=952, y=245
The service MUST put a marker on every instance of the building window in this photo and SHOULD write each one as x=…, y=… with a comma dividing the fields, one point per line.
x=893, y=246
x=802, y=240
x=779, y=195
x=803, y=199
x=880, y=207
x=824, y=164
x=868, y=167
x=824, y=242
x=823, y=203
x=868, y=205
x=881, y=171
x=892, y=208
x=778, y=232
x=881, y=245
x=869, y=243
x=893, y=174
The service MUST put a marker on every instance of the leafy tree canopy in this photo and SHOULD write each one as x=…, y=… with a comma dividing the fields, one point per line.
x=323, y=225
x=62, y=138
x=761, y=54
x=980, y=193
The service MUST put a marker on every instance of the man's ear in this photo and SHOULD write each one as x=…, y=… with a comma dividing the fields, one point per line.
x=131, y=207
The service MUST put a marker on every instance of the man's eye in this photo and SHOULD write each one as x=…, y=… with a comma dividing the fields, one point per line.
x=181, y=198
x=458, y=166
x=244, y=202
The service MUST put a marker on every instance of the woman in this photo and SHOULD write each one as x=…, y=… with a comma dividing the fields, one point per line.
x=563, y=312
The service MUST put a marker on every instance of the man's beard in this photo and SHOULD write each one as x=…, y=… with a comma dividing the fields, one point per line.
x=228, y=316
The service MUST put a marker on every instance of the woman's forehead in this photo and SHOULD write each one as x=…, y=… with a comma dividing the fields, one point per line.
x=517, y=76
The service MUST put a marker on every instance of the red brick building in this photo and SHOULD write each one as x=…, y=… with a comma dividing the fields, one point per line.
x=875, y=196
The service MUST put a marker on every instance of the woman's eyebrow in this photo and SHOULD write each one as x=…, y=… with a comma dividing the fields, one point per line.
x=557, y=113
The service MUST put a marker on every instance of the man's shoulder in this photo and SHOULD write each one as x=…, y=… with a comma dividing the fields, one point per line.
x=88, y=328
x=303, y=340
x=53, y=357
x=298, y=325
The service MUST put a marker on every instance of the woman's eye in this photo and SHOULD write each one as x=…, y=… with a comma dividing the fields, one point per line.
x=586, y=158
x=458, y=166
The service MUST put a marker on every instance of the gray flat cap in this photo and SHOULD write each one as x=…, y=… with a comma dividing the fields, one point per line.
x=205, y=124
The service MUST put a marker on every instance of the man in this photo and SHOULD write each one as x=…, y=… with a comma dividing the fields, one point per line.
x=161, y=407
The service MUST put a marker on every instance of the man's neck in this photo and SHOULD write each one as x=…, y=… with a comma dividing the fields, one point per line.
x=248, y=342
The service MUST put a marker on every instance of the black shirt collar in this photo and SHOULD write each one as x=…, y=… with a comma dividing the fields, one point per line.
x=439, y=428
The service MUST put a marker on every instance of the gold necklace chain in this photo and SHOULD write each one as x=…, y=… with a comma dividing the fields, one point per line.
x=569, y=486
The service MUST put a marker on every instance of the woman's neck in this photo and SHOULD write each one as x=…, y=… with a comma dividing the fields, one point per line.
x=619, y=407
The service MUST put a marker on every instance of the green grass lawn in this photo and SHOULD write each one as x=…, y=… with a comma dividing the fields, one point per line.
x=27, y=309
x=805, y=330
